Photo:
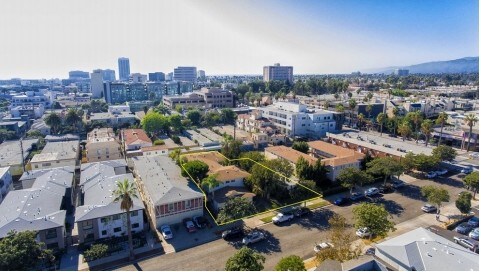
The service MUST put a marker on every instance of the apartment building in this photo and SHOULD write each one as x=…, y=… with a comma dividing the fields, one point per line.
x=102, y=145
x=6, y=182
x=31, y=98
x=278, y=72
x=205, y=98
x=11, y=154
x=56, y=154
x=287, y=153
x=135, y=139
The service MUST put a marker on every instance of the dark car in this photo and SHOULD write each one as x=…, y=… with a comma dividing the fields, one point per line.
x=233, y=233
x=356, y=196
x=386, y=189
x=341, y=201
x=303, y=211
x=200, y=221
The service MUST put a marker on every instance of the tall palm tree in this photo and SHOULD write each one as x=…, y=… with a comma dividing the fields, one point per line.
x=54, y=121
x=72, y=118
x=417, y=118
x=125, y=193
x=209, y=183
x=395, y=112
x=360, y=120
x=427, y=128
x=369, y=110
x=442, y=118
x=352, y=106
x=470, y=120
x=381, y=119
x=404, y=129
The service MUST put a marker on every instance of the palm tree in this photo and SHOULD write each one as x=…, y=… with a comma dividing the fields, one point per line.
x=404, y=129
x=352, y=106
x=470, y=120
x=125, y=193
x=360, y=119
x=54, y=121
x=336, y=96
x=381, y=119
x=326, y=105
x=72, y=118
x=340, y=108
x=427, y=128
x=442, y=118
x=417, y=118
x=209, y=183
x=395, y=112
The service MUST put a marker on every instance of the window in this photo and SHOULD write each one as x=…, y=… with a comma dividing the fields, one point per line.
x=51, y=233
x=116, y=217
x=119, y=229
x=104, y=232
x=171, y=207
x=87, y=225
x=135, y=225
x=46, y=164
x=134, y=213
x=104, y=220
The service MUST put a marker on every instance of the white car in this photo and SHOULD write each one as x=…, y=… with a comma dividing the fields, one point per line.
x=282, y=217
x=253, y=237
x=441, y=172
x=371, y=191
x=321, y=246
x=474, y=155
x=166, y=232
x=363, y=232
x=429, y=208
x=431, y=174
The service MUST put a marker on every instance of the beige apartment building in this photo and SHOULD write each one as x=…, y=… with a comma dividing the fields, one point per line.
x=205, y=98
x=102, y=145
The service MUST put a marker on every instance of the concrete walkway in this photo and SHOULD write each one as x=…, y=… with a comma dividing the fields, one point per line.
x=70, y=260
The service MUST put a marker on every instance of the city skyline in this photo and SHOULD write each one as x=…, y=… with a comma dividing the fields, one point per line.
x=315, y=37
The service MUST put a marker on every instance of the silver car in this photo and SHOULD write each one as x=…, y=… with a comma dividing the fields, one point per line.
x=428, y=208
x=253, y=237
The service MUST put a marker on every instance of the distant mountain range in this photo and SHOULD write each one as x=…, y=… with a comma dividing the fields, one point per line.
x=464, y=65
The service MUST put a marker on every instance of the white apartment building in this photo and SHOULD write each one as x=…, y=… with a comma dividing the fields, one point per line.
x=31, y=98
x=97, y=83
x=278, y=72
x=6, y=183
x=297, y=120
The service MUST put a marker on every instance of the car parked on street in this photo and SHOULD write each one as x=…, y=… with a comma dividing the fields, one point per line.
x=474, y=234
x=396, y=184
x=233, y=233
x=320, y=246
x=463, y=228
x=371, y=191
x=253, y=237
x=166, y=232
x=441, y=172
x=200, y=221
x=282, y=217
x=431, y=175
x=467, y=170
x=428, y=208
x=386, y=189
x=341, y=201
x=302, y=211
x=467, y=243
x=363, y=232
x=189, y=225
x=356, y=196
x=474, y=222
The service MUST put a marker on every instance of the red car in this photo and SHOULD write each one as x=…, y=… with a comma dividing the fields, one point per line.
x=189, y=225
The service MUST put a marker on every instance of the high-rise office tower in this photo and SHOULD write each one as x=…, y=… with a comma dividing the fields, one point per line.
x=78, y=75
x=401, y=72
x=169, y=76
x=185, y=74
x=156, y=76
x=96, y=83
x=278, y=72
x=201, y=74
x=109, y=75
x=124, y=69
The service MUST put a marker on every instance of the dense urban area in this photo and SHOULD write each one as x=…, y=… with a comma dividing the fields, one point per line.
x=276, y=171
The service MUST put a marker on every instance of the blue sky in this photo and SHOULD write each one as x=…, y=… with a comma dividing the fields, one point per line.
x=45, y=39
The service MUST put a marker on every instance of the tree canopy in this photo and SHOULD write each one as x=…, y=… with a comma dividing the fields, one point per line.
x=251, y=158
x=463, y=203
x=291, y=263
x=231, y=148
x=154, y=123
x=197, y=170
x=435, y=195
x=444, y=153
x=385, y=166
x=374, y=217
x=245, y=259
x=348, y=177
x=472, y=181
x=235, y=208
x=301, y=147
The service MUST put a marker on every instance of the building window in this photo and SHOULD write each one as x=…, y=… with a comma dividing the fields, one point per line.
x=135, y=225
x=51, y=233
x=104, y=232
x=187, y=204
x=87, y=225
x=46, y=164
x=104, y=220
x=116, y=217
x=118, y=229
x=171, y=207
x=134, y=213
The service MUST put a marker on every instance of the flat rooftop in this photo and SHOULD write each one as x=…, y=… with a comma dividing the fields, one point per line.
x=58, y=151
x=11, y=154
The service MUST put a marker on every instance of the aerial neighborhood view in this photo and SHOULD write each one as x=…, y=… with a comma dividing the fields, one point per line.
x=239, y=135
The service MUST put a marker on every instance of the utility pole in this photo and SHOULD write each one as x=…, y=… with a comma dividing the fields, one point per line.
x=21, y=151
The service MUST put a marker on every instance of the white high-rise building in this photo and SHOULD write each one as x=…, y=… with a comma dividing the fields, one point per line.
x=278, y=72
x=185, y=74
x=96, y=83
x=124, y=69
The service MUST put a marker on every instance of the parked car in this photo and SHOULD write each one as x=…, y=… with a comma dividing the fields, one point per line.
x=441, y=172
x=431, y=174
x=429, y=208
x=232, y=233
x=356, y=196
x=363, y=232
x=253, y=237
x=474, y=155
x=282, y=217
x=387, y=145
x=302, y=211
x=463, y=228
x=467, y=243
x=467, y=170
x=397, y=184
x=474, y=222
x=200, y=221
x=189, y=225
x=166, y=232
x=386, y=189
x=341, y=201
x=371, y=191
x=371, y=251
x=321, y=246
x=474, y=234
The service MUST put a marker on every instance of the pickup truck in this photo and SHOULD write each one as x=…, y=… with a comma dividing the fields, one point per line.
x=282, y=217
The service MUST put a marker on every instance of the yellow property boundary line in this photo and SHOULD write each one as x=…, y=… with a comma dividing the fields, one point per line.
x=250, y=216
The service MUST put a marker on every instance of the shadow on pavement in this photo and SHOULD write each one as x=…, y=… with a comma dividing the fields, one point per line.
x=450, y=182
x=411, y=191
x=317, y=220
x=269, y=245
x=391, y=206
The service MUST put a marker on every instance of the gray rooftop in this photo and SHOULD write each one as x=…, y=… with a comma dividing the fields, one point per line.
x=10, y=152
x=99, y=170
x=163, y=181
x=57, y=151
x=61, y=138
x=201, y=139
x=33, y=174
x=424, y=250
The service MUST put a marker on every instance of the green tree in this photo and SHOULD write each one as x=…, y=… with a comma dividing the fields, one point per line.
x=176, y=139
x=291, y=263
x=281, y=166
x=231, y=148
x=339, y=108
x=235, y=208
x=72, y=118
x=245, y=259
x=98, y=106
x=470, y=120
x=360, y=120
x=427, y=129
x=35, y=133
x=416, y=117
x=249, y=159
x=175, y=122
x=472, y=181
x=159, y=142
x=435, y=195
x=125, y=193
x=404, y=129
x=352, y=105
x=210, y=119
x=374, y=217
x=228, y=116
x=7, y=135
x=303, y=169
x=162, y=109
x=463, y=203
x=386, y=166
x=444, y=153
x=301, y=147
x=442, y=118
x=20, y=251
x=154, y=123
x=348, y=177
x=54, y=121
x=197, y=170
x=194, y=116
x=96, y=251
x=209, y=183
x=381, y=119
